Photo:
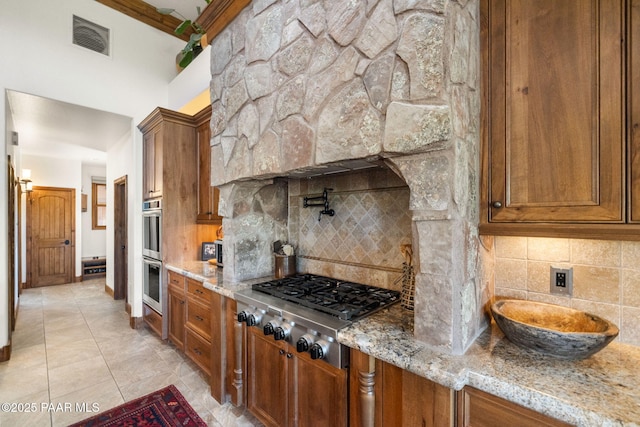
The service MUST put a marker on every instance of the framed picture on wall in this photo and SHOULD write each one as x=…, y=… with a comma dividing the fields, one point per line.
x=208, y=250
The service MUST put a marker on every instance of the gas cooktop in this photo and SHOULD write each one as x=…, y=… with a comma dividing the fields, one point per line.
x=342, y=299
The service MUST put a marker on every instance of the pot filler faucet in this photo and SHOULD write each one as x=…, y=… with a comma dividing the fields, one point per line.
x=320, y=201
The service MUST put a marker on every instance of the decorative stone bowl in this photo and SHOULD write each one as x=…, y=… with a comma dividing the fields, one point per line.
x=553, y=330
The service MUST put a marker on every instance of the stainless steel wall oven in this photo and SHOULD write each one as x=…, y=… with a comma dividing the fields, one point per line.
x=152, y=272
x=152, y=229
x=152, y=254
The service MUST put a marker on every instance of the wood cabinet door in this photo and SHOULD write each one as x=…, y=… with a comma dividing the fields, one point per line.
x=633, y=102
x=553, y=113
x=319, y=392
x=479, y=409
x=176, y=303
x=267, y=377
x=207, y=195
x=152, y=164
x=401, y=398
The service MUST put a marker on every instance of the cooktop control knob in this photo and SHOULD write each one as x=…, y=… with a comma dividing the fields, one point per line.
x=319, y=349
x=242, y=316
x=254, y=318
x=281, y=332
x=304, y=343
x=270, y=327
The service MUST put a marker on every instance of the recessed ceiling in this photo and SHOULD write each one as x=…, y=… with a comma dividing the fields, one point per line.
x=51, y=128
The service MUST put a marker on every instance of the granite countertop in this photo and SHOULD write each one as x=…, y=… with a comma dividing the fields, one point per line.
x=603, y=390
x=211, y=277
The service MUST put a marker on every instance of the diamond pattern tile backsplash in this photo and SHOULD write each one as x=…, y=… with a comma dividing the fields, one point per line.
x=368, y=228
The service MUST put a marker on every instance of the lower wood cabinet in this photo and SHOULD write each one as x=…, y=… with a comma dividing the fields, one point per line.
x=385, y=395
x=479, y=409
x=196, y=326
x=286, y=388
x=176, y=302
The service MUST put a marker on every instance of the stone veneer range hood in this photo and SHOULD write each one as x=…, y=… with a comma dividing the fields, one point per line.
x=304, y=87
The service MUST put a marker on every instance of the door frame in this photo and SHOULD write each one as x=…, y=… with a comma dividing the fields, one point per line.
x=120, y=239
x=29, y=234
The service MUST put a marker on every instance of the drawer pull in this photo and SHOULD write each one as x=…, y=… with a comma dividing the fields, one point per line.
x=197, y=351
x=199, y=318
x=198, y=291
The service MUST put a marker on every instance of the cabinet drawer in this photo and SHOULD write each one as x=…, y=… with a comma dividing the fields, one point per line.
x=176, y=280
x=198, y=350
x=199, y=318
x=153, y=319
x=195, y=289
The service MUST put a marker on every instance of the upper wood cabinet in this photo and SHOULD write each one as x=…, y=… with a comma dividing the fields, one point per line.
x=553, y=118
x=152, y=164
x=633, y=95
x=207, y=195
x=168, y=153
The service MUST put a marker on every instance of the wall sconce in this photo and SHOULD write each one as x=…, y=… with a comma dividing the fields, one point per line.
x=25, y=182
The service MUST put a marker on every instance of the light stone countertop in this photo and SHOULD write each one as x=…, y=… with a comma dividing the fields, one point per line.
x=603, y=390
x=211, y=277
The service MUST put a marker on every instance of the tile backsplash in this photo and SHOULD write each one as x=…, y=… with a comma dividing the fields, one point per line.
x=362, y=241
x=606, y=276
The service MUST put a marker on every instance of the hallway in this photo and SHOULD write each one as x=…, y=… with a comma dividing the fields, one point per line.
x=73, y=349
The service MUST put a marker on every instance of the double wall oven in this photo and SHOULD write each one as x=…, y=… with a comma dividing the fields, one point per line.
x=152, y=254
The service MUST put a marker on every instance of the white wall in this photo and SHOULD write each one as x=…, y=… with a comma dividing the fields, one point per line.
x=39, y=58
x=94, y=242
x=120, y=161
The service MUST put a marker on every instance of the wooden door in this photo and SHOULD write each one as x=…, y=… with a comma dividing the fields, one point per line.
x=553, y=114
x=50, y=235
x=120, y=240
x=267, y=377
x=318, y=393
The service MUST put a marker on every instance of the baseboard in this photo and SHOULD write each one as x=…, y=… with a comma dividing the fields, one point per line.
x=136, y=322
x=77, y=279
x=108, y=290
x=127, y=308
x=5, y=353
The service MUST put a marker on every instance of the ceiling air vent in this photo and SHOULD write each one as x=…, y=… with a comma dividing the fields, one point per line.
x=91, y=36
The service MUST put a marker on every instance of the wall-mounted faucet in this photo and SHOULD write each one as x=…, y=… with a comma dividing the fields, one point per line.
x=320, y=201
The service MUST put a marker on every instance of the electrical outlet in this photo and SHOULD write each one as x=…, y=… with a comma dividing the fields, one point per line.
x=561, y=281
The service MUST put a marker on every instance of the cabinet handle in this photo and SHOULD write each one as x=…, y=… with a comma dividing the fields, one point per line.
x=181, y=302
x=197, y=351
x=281, y=351
x=496, y=205
x=198, y=291
x=289, y=355
x=199, y=318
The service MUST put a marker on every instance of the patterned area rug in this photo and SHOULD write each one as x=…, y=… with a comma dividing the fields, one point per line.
x=162, y=408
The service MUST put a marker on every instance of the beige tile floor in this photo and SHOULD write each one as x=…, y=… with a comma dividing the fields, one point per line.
x=73, y=351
